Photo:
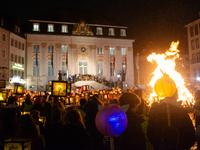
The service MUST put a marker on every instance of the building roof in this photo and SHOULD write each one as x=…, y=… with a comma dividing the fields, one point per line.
x=75, y=15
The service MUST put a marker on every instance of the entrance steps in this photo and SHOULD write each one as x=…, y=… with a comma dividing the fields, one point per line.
x=93, y=85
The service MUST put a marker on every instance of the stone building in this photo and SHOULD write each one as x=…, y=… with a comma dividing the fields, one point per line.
x=193, y=34
x=12, y=50
x=77, y=42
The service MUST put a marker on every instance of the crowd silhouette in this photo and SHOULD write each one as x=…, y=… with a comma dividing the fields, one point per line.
x=51, y=124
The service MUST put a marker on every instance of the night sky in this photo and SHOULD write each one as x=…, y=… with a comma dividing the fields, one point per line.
x=154, y=24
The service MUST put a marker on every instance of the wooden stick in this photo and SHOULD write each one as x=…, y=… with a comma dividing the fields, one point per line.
x=112, y=143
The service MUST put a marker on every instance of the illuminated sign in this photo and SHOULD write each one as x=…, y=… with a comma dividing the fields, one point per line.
x=17, y=80
x=17, y=66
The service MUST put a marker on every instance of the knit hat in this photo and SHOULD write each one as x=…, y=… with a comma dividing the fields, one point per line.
x=129, y=98
x=38, y=100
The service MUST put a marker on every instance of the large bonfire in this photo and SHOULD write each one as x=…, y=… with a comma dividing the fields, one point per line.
x=166, y=64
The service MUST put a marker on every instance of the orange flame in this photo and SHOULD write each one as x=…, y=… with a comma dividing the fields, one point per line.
x=166, y=63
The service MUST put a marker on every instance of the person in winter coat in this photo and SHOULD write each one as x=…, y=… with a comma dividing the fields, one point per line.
x=74, y=133
x=133, y=136
x=179, y=118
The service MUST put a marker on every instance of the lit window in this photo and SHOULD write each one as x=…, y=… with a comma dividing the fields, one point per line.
x=123, y=51
x=82, y=68
x=36, y=48
x=111, y=32
x=64, y=29
x=99, y=50
x=99, y=31
x=18, y=29
x=122, y=32
x=50, y=49
x=36, y=69
x=50, y=28
x=50, y=69
x=100, y=68
x=64, y=68
x=3, y=53
x=112, y=51
x=64, y=48
x=36, y=27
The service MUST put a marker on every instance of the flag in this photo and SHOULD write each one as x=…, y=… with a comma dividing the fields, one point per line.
x=51, y=55
x=66, y=59
x=36, y=59
x=113, y=61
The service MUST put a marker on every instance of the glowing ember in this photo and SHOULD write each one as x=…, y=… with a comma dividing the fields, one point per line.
x=166, y=63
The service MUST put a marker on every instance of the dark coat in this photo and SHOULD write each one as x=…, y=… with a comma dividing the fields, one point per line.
x=133, y=136
x=74, y=137
x=52, y=136
x=179, y=118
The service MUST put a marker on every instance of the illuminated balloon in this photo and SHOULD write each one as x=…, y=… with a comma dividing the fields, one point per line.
x=111, y=121
x=165, y=87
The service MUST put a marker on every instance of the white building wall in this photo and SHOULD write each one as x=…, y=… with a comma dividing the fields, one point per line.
x=75, y=55
x=16, y=51
x=194, y=65
x=4, y=61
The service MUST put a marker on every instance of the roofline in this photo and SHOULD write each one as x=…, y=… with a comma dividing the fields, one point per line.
x=85, y=36
x=191, y=22
x=74, y=23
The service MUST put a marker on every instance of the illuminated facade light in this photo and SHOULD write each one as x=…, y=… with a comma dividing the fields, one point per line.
x=17, y=66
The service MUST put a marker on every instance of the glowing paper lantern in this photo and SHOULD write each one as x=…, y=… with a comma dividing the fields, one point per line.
x=111, y=121
x=165, y=86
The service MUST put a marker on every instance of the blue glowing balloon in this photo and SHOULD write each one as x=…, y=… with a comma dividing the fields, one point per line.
x=111, y=121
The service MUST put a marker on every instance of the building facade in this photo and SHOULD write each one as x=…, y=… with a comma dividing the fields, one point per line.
x=77, y=48
x=4, y=52
x=12, y=51
x=193, y=32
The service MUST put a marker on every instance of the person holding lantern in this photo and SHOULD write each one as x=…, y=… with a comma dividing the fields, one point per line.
x=159, y=120
x=133, y=136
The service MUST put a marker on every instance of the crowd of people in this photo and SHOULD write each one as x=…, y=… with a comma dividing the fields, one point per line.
x=52, y=124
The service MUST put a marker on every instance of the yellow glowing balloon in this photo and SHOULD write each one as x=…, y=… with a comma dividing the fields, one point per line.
x=165, y=87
